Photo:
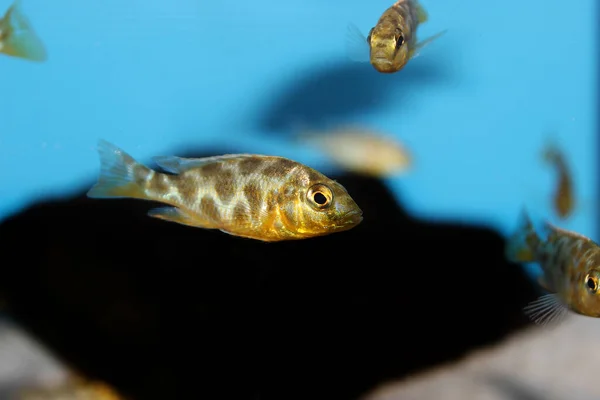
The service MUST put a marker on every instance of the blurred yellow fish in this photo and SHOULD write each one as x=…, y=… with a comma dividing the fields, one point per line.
x=17, y=37
x=392, y=42
x=570, y=265
x=259, y=197
x=361, y=151
x=76, y=390
x=563, y=199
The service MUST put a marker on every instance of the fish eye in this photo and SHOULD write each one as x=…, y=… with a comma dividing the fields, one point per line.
x=369, y=37
x=591, y=282
x=399, y=38
x=320, y=196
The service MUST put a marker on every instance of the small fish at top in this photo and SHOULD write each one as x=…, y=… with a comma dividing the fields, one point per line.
x=361, y=151
x=563, y=199
x=392, y=42
x=259, y=197
x=17, y=37
x=570, y=265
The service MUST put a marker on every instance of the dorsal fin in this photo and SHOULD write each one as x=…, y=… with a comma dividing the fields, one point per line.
x=550, y=227
x=421, y=13
x=176, y=165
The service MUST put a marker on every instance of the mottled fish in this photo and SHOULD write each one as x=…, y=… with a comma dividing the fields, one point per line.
x=563, y=199
x=361, y=151
x=260, y=197
x=570, y=264
x=17, y=37
x=392, y=42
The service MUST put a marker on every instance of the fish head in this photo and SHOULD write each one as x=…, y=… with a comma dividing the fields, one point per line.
x=323, y=207
x=389, y=48
x=589, y=289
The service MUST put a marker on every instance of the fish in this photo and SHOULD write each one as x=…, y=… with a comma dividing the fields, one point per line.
x=267, y=198
x=563, y=200
x=18, y=38
x=75, y=390
x=361, y=151
x=570, y=264
x=392, y=42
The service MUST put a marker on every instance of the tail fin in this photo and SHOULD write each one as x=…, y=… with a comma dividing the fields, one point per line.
x=120, y=175
x=551, y=152
x=521, y=246
x=21, y=40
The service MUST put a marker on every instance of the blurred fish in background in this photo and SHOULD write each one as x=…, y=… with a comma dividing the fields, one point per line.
x=563, y=199
x=77, y=388
x=17, y=36
x=361, y=150
x=392, y=42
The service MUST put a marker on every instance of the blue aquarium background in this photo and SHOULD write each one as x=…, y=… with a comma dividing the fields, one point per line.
x=475, y=108
x=160, y=77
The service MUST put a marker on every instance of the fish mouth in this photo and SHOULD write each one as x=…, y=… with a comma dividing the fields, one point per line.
x=381, y=60
x=352, y=218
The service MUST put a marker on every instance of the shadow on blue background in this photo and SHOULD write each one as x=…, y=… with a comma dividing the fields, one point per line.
x=322, y=96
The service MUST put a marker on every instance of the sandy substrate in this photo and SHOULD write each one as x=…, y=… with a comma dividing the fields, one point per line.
x=538, y=364
x=26, y=363
x=559, y=363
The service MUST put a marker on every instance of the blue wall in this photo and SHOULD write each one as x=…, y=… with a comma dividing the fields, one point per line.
x=157, y=77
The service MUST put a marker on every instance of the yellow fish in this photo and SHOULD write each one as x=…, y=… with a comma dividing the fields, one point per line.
x=570, y=265
x=76, y=390
x=392, y=42
x=17, y=37
x=259, y=197
x=563, y=199
x=361, y=151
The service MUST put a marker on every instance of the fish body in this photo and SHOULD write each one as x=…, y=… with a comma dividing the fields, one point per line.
x=92, y=390
x=392, y=42
x=563, y=198
x=570, y=265
x=17, y=37
x=260, y=197
x=361, y=151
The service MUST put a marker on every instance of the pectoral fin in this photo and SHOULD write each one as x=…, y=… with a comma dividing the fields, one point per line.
x=419, y=46
x=174, y=214
x=548, y=309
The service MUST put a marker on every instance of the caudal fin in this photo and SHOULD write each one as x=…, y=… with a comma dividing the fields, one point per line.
x=20, y=39
x=120, y=175
x=522, y=244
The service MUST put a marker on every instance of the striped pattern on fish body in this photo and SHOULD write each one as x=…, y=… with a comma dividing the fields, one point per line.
x=266, y=198
x=570, y=265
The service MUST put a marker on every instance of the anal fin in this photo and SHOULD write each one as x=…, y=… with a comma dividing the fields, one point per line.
x=174, y=214
x=547, y=310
